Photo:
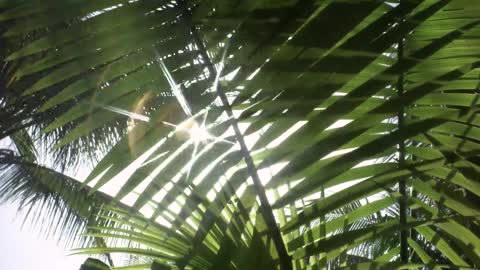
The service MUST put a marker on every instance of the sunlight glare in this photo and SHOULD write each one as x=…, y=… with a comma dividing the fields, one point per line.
x=190, y=129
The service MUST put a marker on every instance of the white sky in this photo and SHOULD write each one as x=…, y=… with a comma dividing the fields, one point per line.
x=25, y=249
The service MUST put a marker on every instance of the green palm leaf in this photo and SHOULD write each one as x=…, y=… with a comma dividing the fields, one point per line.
x=315, y=111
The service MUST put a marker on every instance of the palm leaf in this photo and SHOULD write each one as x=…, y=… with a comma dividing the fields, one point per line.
x=335, y=109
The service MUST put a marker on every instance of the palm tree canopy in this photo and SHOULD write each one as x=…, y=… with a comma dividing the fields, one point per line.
x=334, y=134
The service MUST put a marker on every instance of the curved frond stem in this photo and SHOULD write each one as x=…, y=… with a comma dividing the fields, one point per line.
x=402, y=186
x=265, y=207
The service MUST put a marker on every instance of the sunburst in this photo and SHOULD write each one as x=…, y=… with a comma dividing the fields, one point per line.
x=190, y=129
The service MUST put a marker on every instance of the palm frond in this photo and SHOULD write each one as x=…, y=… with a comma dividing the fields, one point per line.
x=330, y=104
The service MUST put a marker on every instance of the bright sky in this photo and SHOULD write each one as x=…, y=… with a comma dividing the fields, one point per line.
x=25, y=249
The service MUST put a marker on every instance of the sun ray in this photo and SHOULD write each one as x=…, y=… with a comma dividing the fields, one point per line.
x=132, y=115
x=174, y=86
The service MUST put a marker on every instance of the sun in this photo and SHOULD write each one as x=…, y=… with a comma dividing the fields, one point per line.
x=191, y=130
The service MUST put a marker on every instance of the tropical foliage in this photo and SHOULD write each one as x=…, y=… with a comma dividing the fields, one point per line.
x=327, y=134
